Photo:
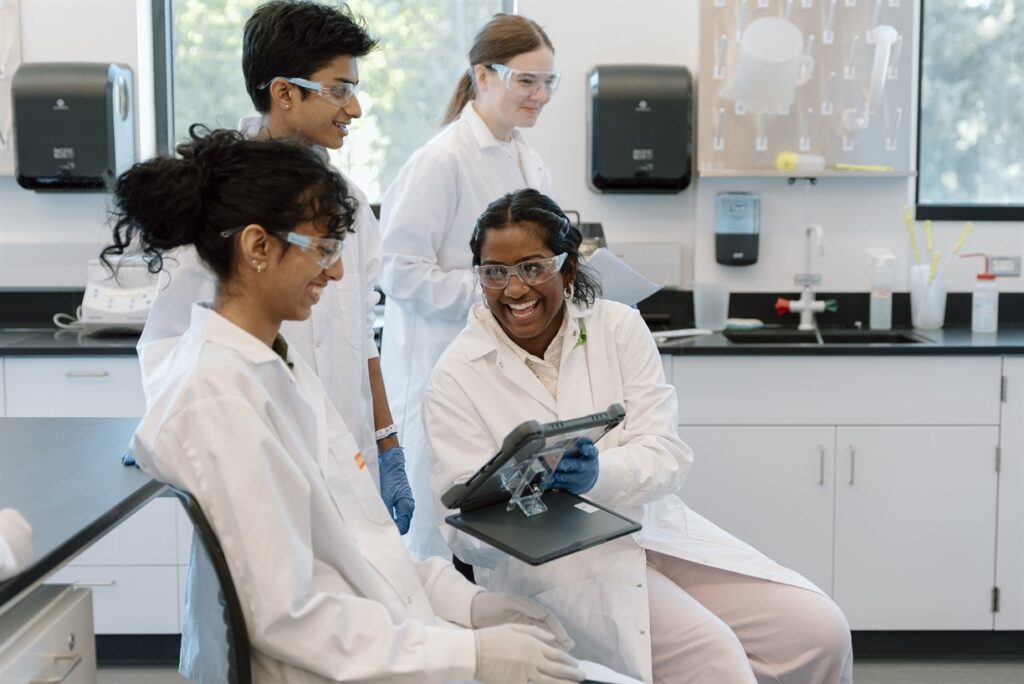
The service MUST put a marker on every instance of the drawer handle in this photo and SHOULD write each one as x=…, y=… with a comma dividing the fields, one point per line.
x=821, y=464
x=72, y=661
x=87, y=374
x=96, y=583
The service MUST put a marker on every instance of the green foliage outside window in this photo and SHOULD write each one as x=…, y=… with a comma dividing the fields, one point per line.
x=405, y=84
x=972, y=103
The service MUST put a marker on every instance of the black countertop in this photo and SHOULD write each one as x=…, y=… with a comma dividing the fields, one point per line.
x=945, y=342
x=52, y=342
x=64, y=475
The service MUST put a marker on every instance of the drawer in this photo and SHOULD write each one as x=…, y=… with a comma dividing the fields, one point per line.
x=73, y=386
x=146, y=538
x=129, y=600
x=48, y=637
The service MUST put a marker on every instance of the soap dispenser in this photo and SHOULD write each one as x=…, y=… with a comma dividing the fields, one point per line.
x=881, y=289
x=984, y=300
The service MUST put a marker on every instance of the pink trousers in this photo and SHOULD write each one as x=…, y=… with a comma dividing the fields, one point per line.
x=711, y=626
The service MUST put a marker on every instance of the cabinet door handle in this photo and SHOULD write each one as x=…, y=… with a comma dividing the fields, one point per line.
x=853, y=461
x=87, y=374
x=95, y=583
x=821, y=464
x=72, y=663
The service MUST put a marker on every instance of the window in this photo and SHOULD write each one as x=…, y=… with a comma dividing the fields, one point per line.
x=971, y=117
x=405, y=84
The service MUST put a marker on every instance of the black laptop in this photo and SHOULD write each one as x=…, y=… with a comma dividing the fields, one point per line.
x=493, y=503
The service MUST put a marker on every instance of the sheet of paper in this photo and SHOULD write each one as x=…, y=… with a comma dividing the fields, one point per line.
x=620, y=281
x=599, y=673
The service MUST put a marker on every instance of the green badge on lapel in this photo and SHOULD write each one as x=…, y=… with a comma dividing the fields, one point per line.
x=582, y=339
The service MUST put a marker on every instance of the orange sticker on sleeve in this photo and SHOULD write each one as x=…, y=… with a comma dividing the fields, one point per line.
x=360, y=461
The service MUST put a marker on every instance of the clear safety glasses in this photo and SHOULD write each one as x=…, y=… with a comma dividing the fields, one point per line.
x=339, y=94
x=326, y=251
x=534, y=272
x=527, y=82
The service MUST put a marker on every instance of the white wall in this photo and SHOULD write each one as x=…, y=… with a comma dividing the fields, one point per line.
x=44, y=239
x=855, y=213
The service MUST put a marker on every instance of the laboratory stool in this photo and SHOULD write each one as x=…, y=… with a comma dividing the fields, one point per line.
x=239, y=666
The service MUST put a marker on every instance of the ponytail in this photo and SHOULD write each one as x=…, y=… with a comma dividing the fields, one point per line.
x=465, y=90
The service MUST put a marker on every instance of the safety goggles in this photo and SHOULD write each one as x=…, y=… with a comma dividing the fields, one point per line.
x=527, y=82
x=339, y=94
x=326, y=251
x=534, y=272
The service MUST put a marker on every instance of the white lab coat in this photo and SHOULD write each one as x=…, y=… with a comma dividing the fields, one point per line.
x=336, y=340
x=481, y=390
x=328, y=590
x=427, y=218
x=15, y=543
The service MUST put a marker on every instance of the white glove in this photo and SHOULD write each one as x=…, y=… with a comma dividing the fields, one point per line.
x=517, y=654
x=490, y=608
x=15, y=543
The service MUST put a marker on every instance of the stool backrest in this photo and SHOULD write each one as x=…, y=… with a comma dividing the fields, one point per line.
x=239, y=666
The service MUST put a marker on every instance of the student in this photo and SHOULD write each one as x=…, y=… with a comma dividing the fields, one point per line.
x=681, y=600
x=427, y=216
x=241, y=421
x=300, y=65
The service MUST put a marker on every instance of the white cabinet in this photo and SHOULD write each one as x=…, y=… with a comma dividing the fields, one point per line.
x=1010, y=560
x=771, y=487
x=73, y=386
x=915, y=526
x=47, y=637
x=875, y=477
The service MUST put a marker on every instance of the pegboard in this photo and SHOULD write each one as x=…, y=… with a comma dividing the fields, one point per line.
x=10, y=58
x=837, y=114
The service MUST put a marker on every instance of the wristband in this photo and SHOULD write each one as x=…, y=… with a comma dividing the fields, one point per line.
x=386, y=432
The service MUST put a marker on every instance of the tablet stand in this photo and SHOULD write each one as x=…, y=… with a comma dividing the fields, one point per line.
x=521, y=482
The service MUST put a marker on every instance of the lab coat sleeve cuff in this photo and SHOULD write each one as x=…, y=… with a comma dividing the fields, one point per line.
x=452, y=596
x=451, y=652
x=612, y=477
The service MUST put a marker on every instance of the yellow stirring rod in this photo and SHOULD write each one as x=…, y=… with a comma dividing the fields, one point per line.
x=928, y=235
x=909, y=220
x=934, y=265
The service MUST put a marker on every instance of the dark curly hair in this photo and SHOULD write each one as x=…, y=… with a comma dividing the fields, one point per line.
x=222, y=181
x=537, y=210
x=297, y=38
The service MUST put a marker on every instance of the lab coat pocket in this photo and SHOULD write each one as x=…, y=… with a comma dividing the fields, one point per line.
x=351, y=484
x=351, y=310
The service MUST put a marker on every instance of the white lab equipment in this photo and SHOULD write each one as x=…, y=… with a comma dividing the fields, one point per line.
x=882, y=276
x=427, y=219
x=114, y=304
x=710, y=305
x=772, y=65
x=984, y=300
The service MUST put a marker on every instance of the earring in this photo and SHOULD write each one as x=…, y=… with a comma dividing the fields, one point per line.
x=287, y=106
x=259, y=265
x=569, y=292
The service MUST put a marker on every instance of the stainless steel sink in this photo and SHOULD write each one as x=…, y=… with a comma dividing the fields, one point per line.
x=790, y=336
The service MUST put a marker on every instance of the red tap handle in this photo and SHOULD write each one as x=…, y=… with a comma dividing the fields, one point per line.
x=781, y=306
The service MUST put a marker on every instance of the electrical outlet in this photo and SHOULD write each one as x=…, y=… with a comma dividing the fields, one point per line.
x=1005, y=266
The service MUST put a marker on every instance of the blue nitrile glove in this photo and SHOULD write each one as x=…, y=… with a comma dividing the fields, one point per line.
x=577, y=471
x=128, y=458
x=394, y=487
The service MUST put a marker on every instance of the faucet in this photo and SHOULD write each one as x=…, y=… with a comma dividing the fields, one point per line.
x=808, y=304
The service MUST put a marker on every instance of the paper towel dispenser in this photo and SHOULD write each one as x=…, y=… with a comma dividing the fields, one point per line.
x=74, y=127
x=641, y=128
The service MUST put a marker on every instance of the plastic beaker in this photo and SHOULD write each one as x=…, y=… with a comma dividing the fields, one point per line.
x=932, y=312
x=771, y=66
x=918, y=285
x=710, y=305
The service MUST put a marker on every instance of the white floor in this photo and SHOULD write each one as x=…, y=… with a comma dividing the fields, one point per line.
x=866, y=672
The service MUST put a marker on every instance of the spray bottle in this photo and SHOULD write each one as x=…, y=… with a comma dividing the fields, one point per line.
x=881, y=288
x=984, y=300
